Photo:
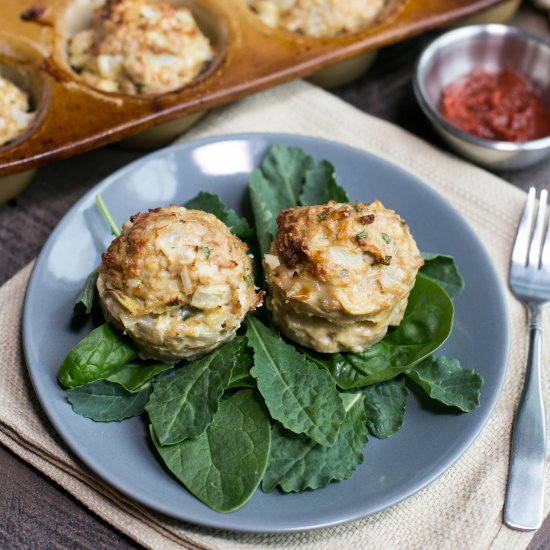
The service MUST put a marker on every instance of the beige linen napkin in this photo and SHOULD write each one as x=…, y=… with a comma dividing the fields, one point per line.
x=462, y=508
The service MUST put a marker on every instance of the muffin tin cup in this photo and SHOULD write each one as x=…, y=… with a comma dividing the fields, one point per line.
x=162, y=134
x=73, y=117
x=17, y=66
x=498, y=14
x=13, y=184
x=344, y=72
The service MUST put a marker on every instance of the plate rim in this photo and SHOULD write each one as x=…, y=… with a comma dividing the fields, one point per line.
x=270, y=138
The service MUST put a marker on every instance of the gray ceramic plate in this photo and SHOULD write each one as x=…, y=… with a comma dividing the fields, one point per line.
x=121, y=454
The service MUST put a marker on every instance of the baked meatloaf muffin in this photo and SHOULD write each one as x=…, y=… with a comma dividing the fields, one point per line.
x=318, y=17
x=178, y=282
x=15, y=115
x=140, y=47
x=339, y=275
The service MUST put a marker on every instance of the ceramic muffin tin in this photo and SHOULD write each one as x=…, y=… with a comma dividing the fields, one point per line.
x=73, y=117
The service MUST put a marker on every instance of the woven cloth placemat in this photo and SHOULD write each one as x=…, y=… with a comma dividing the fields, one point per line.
x=463, y=507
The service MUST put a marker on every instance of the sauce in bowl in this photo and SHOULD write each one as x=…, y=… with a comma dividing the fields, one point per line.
x=500, y=106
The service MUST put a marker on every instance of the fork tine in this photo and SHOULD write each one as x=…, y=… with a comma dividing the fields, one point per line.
x=521, y=244
x=538, y=233
x=545, y=258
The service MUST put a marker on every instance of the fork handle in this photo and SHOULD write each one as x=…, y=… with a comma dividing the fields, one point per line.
x=524, y=498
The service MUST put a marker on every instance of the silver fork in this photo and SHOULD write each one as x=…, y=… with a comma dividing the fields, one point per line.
x=530, y=281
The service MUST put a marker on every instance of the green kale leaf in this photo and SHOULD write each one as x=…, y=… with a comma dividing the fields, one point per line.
x=275, y=186
x=181, y=406
x=213, y=204
x=385, y=405
x=321, y=186
x=297, y=462
x=297, y=393
x=444, y=380
x=444, y=271
x=285, y=169
x=244, y=361
x=85, y=300
x=224, y=465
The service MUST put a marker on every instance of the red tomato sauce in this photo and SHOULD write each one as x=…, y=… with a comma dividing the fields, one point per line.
x=497, y=106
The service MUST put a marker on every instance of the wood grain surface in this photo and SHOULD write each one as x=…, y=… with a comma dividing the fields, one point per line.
x=35, y=512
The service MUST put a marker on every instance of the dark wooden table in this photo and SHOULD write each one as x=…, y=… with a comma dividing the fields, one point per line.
x=34, y=511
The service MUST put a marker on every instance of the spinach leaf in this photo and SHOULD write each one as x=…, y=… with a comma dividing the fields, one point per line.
x=301, y=396
x=104, y=401
x=213, y=204
x=181, y=406
x=98, y=355
x=297, y=463
x=426, y=325
x=444, y=271
x=444, y=380
x=321, y=186
x=85, y=300
x=225, y=464
x=385, y=407
x=134, y=375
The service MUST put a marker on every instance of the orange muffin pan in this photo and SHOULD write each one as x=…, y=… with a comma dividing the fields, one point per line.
x=72, y=117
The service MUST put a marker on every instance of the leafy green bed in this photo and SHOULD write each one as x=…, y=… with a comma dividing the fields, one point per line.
x=260, y=410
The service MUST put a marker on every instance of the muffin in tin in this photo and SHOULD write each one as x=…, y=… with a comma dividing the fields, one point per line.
x=339, y=275
x=318, y=17
x=15, y=112
x=178, y=282
x=140, y=47
x=16, y=117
